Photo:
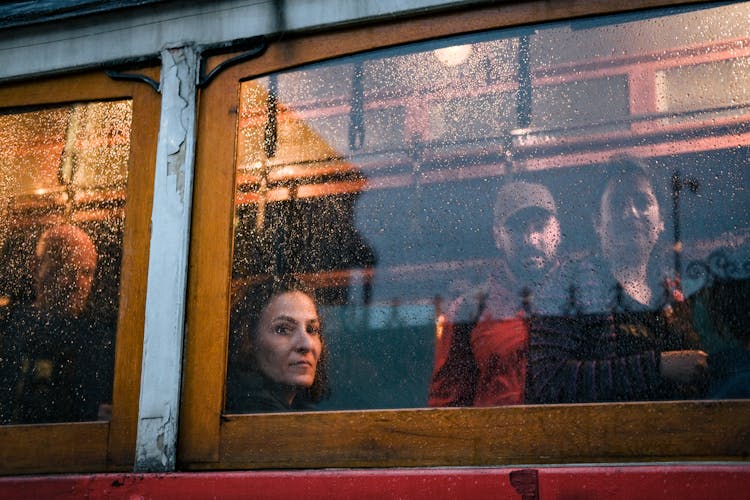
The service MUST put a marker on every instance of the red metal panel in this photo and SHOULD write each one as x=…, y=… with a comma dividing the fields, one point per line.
x=644, y=482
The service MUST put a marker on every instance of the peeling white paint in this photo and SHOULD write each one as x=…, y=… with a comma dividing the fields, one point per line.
x=168, y=261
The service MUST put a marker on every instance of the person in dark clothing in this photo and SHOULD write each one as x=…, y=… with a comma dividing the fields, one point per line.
x=725, y=300
x=277, y=359
x=628, y=341
x=52, y=357
x=611, y=357
x=49, y=359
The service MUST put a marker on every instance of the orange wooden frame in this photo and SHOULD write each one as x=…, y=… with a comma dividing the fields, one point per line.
x=99, y=446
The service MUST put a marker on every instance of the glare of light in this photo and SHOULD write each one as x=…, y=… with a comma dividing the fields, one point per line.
x=286, y=171
x=439, y=326
x=256, y=165
x=453, y=56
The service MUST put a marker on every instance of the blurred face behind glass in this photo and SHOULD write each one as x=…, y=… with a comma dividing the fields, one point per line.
x=287, y=344
x=529, y=239
x=629, y=220
x=66, y=264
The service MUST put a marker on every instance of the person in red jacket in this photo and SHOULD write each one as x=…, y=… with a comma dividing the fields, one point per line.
x=480, y=357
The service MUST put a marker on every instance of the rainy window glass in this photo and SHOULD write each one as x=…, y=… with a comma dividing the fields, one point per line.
x=556, y=214
x=62, y=197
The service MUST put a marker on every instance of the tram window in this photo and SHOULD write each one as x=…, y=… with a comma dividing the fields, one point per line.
x=62, y=195
x=369, y=172
x=502, y=218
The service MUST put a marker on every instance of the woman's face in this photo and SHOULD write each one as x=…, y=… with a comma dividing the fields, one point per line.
x=630, y=222
x=287, y=344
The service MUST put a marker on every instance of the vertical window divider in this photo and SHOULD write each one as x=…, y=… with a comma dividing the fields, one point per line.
x=161, y=371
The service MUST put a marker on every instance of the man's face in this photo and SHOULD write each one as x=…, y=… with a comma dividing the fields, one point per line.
x=529, y=239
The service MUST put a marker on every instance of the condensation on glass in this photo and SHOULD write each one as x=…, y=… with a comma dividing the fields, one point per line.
x=555, y=214
x=63, y=172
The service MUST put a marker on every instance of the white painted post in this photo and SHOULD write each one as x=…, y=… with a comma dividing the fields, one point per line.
x=161, y=371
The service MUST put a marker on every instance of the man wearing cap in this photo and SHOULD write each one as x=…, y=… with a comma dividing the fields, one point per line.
x=481, y=348
x=527, y=232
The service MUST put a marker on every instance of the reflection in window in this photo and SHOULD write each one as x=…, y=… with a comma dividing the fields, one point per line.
x=533, y=216
x=62, y=193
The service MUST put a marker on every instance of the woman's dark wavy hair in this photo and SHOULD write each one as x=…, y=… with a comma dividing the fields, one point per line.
x=623, y=166
x=246, y=313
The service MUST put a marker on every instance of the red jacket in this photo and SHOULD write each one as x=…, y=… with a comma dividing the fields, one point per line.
x=480, y=363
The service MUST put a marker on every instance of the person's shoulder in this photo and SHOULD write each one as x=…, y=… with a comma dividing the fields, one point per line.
x=303, y=403
x=249, y=392
x=465, y=303
x=581, y=264
x=587, y=282
x=18, y=317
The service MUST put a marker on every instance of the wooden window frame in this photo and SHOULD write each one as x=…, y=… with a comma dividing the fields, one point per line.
x=102, y=445
x=621, y=432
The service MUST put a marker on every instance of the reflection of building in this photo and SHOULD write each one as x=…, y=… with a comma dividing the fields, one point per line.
x=433, y=137
x=66, y=163
x=296, y=199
